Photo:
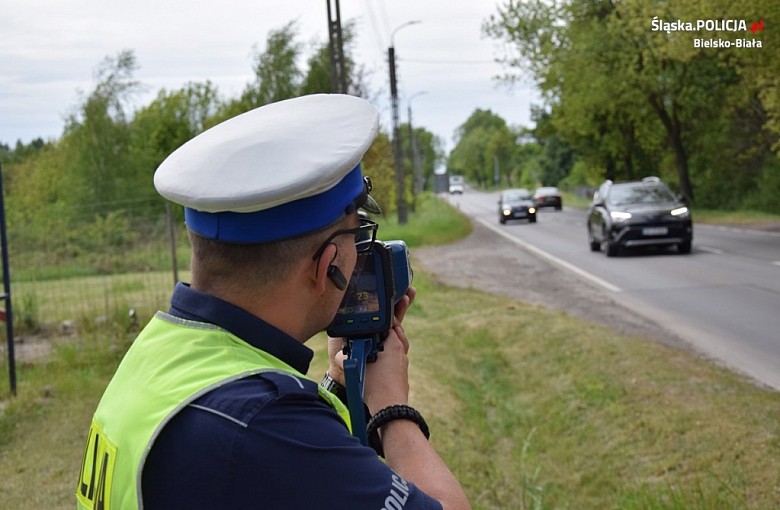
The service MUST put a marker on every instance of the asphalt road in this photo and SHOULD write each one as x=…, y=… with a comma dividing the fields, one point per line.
x=723, y=298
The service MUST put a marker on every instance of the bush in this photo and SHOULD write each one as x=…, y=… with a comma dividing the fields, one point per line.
x=764, y=197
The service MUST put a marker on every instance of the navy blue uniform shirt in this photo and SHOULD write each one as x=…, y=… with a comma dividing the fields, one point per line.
x=267, y=441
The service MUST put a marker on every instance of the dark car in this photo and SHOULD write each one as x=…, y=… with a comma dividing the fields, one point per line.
x=643, y=213
x=516, y=204
x=548, y=196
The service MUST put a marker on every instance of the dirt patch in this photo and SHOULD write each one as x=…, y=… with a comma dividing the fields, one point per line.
x=486, y=262
x=36, y=347
x=29, y=348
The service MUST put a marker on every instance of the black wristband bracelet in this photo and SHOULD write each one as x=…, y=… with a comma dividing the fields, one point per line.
x=392, y=413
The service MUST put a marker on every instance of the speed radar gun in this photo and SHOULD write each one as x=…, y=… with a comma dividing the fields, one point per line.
x=381, y=278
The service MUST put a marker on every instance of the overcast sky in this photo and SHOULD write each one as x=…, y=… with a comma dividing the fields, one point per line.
x=50, y=50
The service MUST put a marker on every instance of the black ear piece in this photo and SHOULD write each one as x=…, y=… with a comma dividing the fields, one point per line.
x=337, y=277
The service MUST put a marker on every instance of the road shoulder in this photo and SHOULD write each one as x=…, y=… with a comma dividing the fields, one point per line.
x=486, y=262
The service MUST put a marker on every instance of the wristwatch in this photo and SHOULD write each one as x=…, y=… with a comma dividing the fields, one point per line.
x=333, y=386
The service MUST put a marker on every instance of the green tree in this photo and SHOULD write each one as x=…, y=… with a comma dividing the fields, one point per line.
x=483, y=143
x=378, y=165
x=622, y=94
x=276, y=73
x=173, y=118
x=419, y=147
x=276, y=69
x=758, y=68
x=527, y=162
x=21, y=150
x=97, y=135
x=318, y=79
x=430, y=150
x=700, y=97
x=469, y=157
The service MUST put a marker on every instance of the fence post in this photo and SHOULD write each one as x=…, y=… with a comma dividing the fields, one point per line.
x=172, y=241
x=7, y=314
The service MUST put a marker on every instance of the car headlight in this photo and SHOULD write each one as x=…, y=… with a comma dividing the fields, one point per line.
x=680, y=212
x=507, y=212
x=619, y=216
x=531, y=210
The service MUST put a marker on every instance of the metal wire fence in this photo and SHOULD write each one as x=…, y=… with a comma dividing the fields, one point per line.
x=92, y=268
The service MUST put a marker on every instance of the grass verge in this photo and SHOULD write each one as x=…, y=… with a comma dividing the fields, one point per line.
x=738, y=218
x=532, y=409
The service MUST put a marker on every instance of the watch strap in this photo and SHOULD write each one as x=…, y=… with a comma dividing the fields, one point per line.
x=333, y=386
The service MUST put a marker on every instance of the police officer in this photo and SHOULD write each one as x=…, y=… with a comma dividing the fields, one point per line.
x=210, y=407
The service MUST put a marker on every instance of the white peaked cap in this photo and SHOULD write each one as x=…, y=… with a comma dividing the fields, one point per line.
x=278, y=171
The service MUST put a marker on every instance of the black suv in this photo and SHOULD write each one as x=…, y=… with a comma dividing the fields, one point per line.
x=643, y=213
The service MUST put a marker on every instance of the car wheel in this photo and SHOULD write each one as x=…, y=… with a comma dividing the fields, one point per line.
x=610, y=248
x=532, y=219
x=684, y=247
x=558, y=207
x=594, y=245
x=501, y=220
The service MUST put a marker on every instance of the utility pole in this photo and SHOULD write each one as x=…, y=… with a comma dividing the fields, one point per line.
x=338, y=72
x=397, y=163
x=7, y=314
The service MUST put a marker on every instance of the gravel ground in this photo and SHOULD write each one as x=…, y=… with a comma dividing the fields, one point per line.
x=486, y=262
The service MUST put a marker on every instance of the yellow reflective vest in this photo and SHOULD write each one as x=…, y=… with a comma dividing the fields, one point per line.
x=171, y=363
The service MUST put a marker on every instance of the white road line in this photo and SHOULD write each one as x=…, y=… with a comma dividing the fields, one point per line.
x=716, y=251
x=769, y=233
x=551, y=258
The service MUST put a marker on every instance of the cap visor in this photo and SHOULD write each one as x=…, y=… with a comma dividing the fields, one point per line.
x=370, y=205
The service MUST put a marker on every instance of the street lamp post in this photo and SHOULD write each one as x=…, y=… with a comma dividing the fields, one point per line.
x=397, y=163
x=415, y=153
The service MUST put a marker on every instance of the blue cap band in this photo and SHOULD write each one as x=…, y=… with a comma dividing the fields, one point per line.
x=281, y=222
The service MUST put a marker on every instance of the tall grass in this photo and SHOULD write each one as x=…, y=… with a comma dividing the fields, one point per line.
x=433, y=223
x=89, y=299
x=534, y=409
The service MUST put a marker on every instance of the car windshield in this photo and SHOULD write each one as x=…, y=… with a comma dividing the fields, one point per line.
x=547, y=191
x=514, y=196
x=623, y=195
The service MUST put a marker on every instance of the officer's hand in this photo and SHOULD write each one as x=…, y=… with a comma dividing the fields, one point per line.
x=387, y=380
x=403, y=305
x=336, y=359
x=335, y=345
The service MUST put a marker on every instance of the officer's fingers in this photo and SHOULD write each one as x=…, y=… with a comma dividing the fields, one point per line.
x=336, y=358
x=405, y=302
x=335, y=345
x=398, y=329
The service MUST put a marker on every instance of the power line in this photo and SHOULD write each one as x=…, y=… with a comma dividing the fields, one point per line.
x=457, y=62
x=384, y=16
x=379, y=36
